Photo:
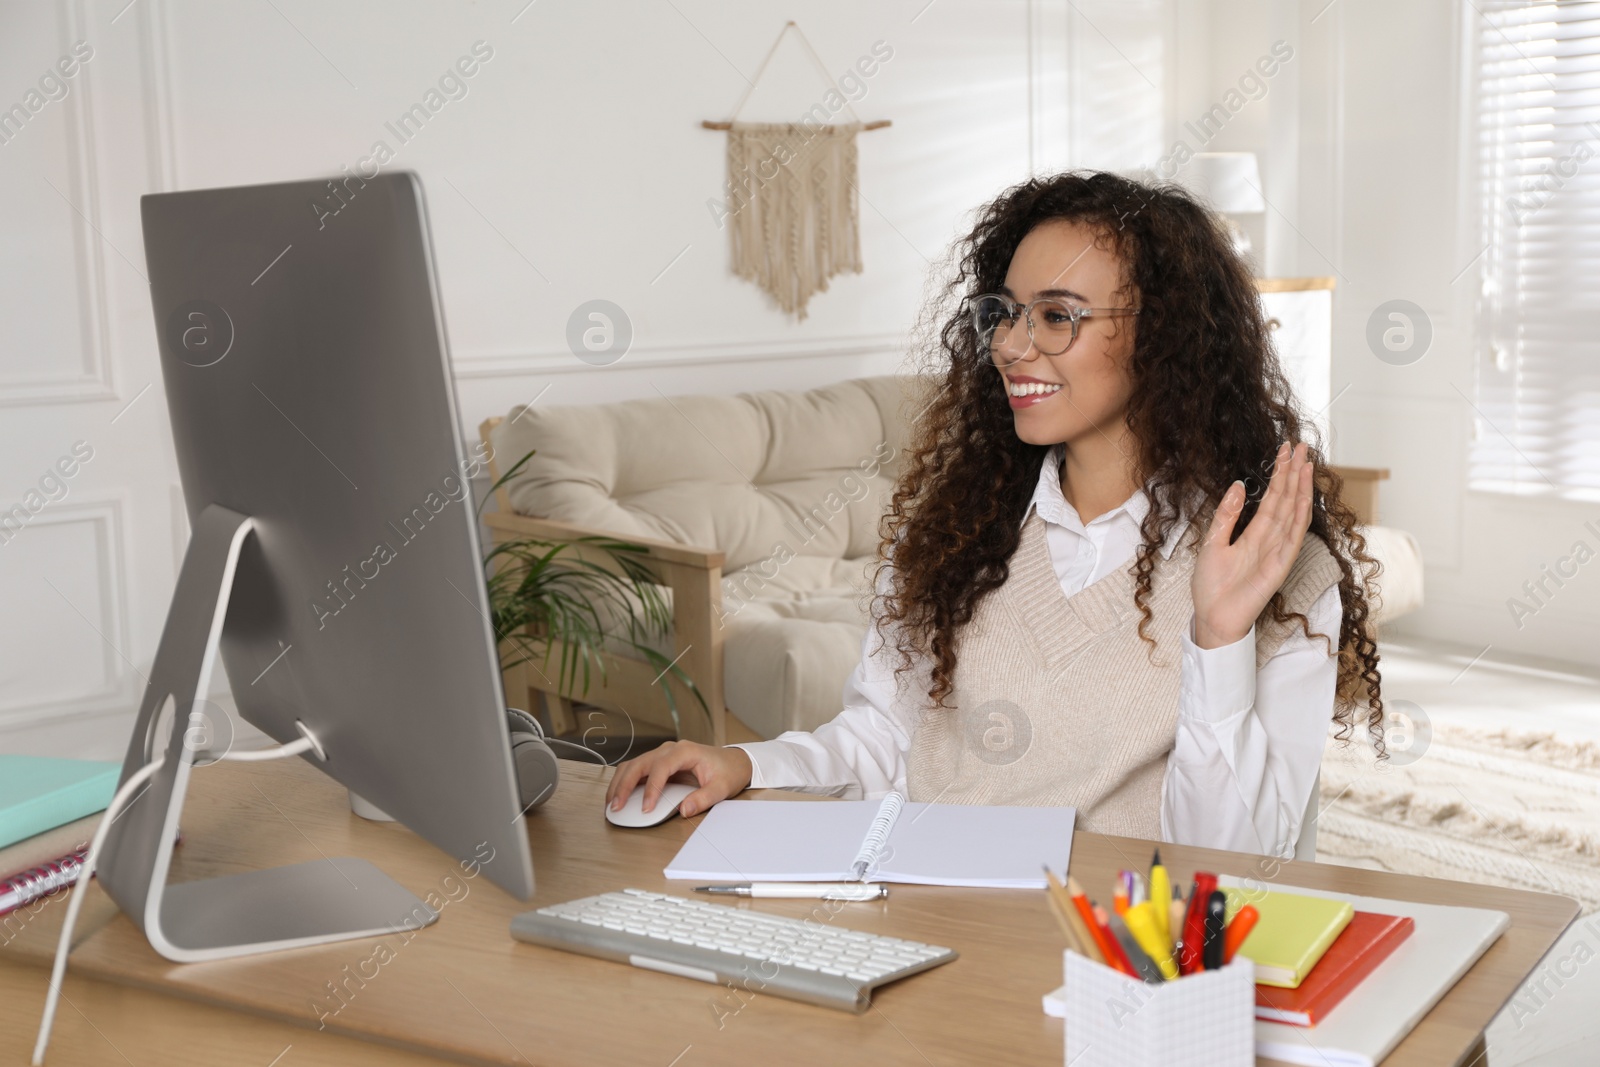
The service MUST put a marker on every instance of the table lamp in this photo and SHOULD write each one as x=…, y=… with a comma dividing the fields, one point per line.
x=1230, y=182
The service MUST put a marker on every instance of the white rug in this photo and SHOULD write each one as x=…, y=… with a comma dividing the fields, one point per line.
x=1509, y=808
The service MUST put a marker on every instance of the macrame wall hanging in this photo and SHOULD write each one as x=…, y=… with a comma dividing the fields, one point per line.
x=793, y=211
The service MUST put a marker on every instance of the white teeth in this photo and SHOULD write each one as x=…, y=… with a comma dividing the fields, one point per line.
x=1031, y=388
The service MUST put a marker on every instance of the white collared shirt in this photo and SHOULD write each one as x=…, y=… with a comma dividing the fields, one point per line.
x=1248, y=746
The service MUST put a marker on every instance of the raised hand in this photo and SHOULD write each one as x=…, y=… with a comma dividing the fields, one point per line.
x=1231, y=584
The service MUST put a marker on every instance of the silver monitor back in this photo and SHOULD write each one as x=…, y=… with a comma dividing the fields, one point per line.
x=309, y=387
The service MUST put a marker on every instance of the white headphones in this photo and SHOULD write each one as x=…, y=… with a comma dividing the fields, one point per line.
x=538, y=770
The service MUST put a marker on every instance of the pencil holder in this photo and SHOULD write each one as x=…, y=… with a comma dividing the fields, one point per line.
x=1201, y=1020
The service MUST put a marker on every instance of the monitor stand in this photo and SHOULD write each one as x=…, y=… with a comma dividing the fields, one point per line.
x=236, y=914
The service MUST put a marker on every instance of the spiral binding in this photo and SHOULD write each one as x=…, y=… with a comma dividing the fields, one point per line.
x=43, y=880
x=878, y=833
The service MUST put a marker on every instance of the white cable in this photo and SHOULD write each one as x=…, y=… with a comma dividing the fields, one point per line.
x=251, y=755
x=58, y=970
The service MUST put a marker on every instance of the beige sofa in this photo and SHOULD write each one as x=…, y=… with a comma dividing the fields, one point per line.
x=774, y=496
x=760, y=512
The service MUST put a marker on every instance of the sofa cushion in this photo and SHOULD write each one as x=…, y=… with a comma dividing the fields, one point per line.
x=755, y=474
x=787, y=674
x=804, y=587
x=793, y=636
x=1400, y=580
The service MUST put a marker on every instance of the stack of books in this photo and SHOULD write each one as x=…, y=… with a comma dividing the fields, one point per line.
x=1349, y=987
x=49, y=809
x=1309, y=952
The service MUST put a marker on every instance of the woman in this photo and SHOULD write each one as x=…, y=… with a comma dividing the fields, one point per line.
x=1102, y=590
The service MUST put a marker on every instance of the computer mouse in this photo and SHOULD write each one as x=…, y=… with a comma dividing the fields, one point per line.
x=631, y=814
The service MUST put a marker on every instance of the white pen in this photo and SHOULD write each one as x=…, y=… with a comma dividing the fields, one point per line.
x=812, y=890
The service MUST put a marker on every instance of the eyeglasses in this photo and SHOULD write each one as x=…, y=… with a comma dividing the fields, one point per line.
x=1052, y=325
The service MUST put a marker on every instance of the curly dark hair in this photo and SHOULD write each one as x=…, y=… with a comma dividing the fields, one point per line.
x=1209, y=406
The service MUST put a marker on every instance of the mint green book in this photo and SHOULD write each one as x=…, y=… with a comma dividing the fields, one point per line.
x=39, y=794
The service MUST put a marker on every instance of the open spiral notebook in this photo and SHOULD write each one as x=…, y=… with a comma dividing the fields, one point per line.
x=898, y=840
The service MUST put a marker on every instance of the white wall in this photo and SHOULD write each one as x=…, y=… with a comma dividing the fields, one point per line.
x=1407, y=229
x=1374, y=194
x=84, y=582
x=574, y=168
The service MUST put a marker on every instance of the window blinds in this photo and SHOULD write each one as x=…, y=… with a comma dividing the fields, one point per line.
x=1538, y=367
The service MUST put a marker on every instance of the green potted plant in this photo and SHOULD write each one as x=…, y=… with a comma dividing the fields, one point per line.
x=546, y=594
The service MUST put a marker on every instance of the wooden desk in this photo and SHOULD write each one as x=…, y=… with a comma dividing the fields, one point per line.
x=464, y=991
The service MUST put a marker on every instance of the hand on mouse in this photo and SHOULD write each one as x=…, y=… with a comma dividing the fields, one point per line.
x=720, y=772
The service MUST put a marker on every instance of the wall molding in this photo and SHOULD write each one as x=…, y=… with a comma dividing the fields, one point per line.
x=106, y=515
x=690, y=354
x=122, y=705
x=97, y=380
x=155, y=68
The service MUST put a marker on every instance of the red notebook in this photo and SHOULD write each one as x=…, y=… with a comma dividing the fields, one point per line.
x=1354, y=954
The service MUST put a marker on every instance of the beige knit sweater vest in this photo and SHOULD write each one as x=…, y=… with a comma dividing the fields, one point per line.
x=1057, y=700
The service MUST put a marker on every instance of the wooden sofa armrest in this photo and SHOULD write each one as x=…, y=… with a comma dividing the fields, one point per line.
x=514, y=525
x=1361, y=490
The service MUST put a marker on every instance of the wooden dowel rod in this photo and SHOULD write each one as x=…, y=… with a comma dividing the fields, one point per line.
x=876, y=124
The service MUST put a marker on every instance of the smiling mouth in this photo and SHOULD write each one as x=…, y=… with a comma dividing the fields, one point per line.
x=1020, y=389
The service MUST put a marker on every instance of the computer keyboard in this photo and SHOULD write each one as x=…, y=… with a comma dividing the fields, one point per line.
x=803, y=959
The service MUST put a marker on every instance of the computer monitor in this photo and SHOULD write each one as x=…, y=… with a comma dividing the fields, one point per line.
x=333, y=562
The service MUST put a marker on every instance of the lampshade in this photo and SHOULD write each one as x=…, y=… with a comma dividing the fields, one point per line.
x=1229, y=181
